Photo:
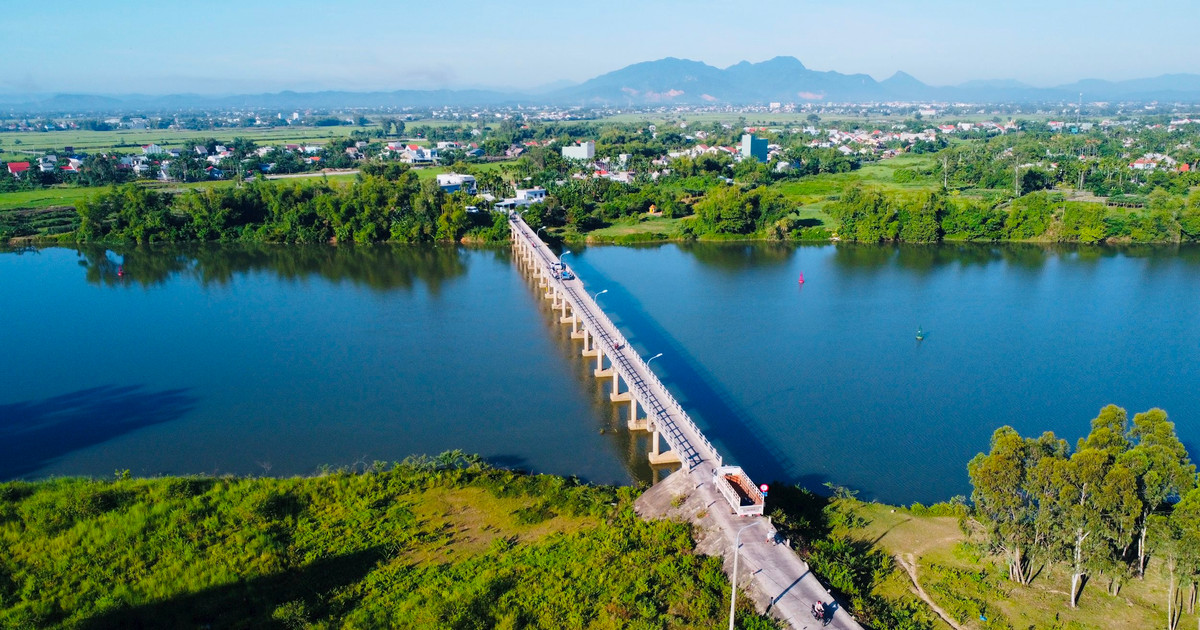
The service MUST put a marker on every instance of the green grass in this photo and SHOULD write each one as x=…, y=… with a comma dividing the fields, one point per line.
x=130, y=141
x=49, y=197
x=642, y=227
x=959, y=578
x=816, y=188
x=445, y=543
x=427, y=173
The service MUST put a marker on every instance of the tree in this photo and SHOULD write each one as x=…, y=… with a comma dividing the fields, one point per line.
x=1093, y=499
x=1176, y=539
x=1161, y=464
x=1002, y=494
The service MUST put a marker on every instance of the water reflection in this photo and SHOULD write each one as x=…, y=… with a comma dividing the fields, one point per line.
x=740, y=256
x=379, y=267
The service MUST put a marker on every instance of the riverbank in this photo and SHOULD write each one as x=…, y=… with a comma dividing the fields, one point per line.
x=444, y=542
x=451, y=542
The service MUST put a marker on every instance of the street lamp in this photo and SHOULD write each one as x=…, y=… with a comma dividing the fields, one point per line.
x=539, y=231
x=565, y=252
x=737, y=543
x=598, y=294
x=653, y=358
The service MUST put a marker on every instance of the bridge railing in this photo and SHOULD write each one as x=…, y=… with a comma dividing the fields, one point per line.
x=678, y=442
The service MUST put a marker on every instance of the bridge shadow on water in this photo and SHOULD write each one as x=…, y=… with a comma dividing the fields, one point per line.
x=35, y=433
x=716, y=411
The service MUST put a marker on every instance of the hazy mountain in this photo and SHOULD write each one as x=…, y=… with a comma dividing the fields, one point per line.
x=672, y=80
x=665, y=81
x=787, y=80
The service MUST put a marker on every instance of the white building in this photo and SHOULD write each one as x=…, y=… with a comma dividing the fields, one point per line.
x=525, y=197
x=580, y=151
x=454, y=182
x=531, y=195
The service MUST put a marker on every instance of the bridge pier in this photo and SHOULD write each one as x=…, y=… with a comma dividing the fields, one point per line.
x=589, y=344
x=576, y=333
x=600, y=370
x=635, y=423
x=660, y=457
x=618, y=395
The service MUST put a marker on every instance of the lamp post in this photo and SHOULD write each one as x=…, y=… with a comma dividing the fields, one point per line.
x=598, y=294
x=653, y=358
x=737, y=543
x=539, y=231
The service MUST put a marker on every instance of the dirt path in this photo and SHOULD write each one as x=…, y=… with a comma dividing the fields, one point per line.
x=910, y=567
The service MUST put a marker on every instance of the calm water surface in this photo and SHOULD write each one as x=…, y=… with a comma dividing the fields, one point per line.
x=283, y=359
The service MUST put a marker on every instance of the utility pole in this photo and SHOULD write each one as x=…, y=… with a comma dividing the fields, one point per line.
x=737, y=542
x=1016, y=174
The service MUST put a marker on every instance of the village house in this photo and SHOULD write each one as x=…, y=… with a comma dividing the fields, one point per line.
x=454, y=182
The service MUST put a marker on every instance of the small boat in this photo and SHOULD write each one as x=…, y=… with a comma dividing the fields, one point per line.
x=920, y=334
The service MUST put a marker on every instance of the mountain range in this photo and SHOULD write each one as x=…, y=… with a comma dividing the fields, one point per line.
x=667, y=81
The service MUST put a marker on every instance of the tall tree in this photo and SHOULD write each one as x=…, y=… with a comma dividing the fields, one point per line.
x=1003, y=494
x=1161, y=464
x=1093, y=499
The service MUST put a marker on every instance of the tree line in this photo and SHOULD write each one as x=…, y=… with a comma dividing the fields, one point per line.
x=870, y=215
x=1126, y=493
x=371, y=209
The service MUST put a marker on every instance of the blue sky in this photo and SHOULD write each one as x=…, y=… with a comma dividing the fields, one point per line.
x=223, y=47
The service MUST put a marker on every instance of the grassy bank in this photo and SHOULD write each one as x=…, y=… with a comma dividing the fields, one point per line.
x=431, y=543
x=945, y=555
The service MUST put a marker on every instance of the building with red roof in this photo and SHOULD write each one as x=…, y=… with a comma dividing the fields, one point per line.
x=16, y=168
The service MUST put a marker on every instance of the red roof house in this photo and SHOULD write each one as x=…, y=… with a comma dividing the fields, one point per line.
x=16, y=168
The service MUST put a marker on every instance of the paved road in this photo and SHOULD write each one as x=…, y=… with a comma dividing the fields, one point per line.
x=770, y=572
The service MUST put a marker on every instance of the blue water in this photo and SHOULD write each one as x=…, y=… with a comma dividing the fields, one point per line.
x=281, y=360
x=825, y=382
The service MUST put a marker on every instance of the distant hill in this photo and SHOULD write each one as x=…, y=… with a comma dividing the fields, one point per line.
x=665, y=81
x=787, y=80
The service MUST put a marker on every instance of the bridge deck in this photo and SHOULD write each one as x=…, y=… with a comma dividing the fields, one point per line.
x=778, y=579
x=681, y=434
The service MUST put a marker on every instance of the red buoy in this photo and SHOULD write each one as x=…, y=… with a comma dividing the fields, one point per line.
x=801, y=278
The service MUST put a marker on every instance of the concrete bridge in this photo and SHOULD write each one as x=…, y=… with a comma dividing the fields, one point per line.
x=717, y=498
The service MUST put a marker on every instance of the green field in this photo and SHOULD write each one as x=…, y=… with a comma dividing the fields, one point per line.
x=19, y=146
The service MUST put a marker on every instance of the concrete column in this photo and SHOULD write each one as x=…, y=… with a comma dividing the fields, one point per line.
x=590, y=347
x=617, y=395
x=659, y=457
x=635, y=423
x=575, y=332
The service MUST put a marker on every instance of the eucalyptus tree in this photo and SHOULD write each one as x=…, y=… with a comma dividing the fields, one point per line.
x=1007, y=496
x=1162, y=466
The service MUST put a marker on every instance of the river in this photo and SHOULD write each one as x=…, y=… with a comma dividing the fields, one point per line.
x=286, y=359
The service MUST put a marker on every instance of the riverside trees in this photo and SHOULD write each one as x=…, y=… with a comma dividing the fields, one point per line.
x=399, y=208
x=1099, y=509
